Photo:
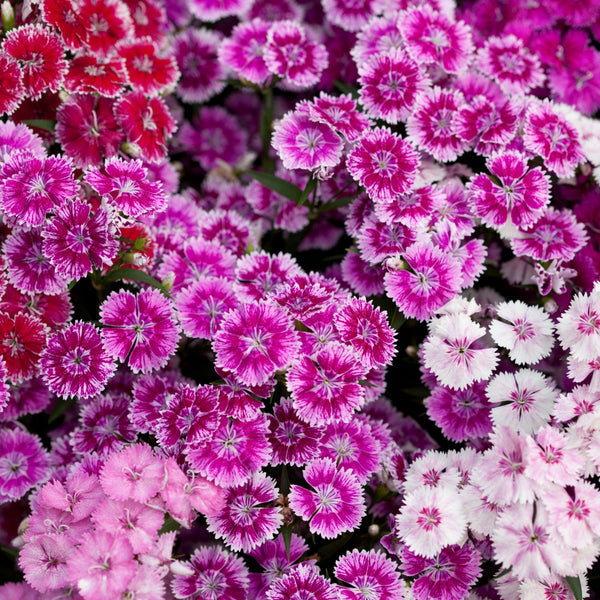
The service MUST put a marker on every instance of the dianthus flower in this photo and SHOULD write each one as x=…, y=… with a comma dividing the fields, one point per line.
x=432, y=469
x=211, y=574
x=461, y=414
x=347, y=14
x=339, y=112
x=89, y=74
x=526, y=331
x=380, y=238
x=327, y=387
x=557, y=235
x=362, y=277
x=43, y=560
x=106, y=23
x=23, y=463
x=523, y=400
x=17, y=137
x=40, y=55
x=303, y=580
x=239, y=400
x=233, y=452
x=432, y=38
x=370, y=574
x=507, y=61
x=430, y=278
x=431, y=124
x=578, y=327
x=243, y=51
x=306, y=144
x=453, y=354
x=449, y=575
x=379, y=36
x=140, y=328
x=430, y=519
x=292, y=56
x=249, y=516
x=384, y=163
x=254, y=341
x=74, y=363
x=12, y=91
x=517, y=194
x=550, y=135
x=215, y=10
x=202, y=74
x=149, y=19
x=390, y=83
x=33, y=186
x=336, y=505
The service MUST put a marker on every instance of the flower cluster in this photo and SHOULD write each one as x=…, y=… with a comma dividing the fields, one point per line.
x=299, y=298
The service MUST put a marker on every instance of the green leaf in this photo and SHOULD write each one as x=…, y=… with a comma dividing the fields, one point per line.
x=170, y=524
x=338, y=203
x=311, y=186
x=398, y=319
x=59, y=408
x=281, y=186
x=41, y=124
x=284, y=486
x=575, y=584
x=128, y=273
x=286, y=534
x=13, y=552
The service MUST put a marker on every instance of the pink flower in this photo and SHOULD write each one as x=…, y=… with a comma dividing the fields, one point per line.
x=384, y=163
x=327, y=387
x=211, y=574
x=303, y=580
x=430, y=519
x=339, y=112
x=202, y=74
x=362, y=277
x=243, y=51
x=379, y=239
x=578, y=327
x=18, y=137
x=293, y=57
x=516, y=195
x=432, y=38
x=74, y=363
x=215, y=10
x=431, y=124
x=106, y=23
x=430, y=278
x=139, y=328
x=254, y=341
x=23, y=463
x=370, y=574
x=548, y=134
x=306, y=144
x=40, y=55
x=102, y=566
x=347, y=14
x=336, y=505
x=248, y=517
x=44, y=562
x=379, y=36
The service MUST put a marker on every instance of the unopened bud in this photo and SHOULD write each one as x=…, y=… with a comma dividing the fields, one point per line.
x=373, y=530
x=8, y=16
x=550, y=306
x=168, y=281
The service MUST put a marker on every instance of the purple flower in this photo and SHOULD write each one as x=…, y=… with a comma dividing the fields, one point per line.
x=347, y=14
x=303, y=581
x=334, y=505
x=211, y=574
x=140, y=328
x=370, y=574
x=254, y=341
x=16, y=137
x=23, y=463
x=74, y=363
x=249, y=516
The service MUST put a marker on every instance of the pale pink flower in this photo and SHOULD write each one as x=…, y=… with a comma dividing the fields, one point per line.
x=578, y=327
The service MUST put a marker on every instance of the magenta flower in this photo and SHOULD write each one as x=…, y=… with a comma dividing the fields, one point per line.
x=507, y=61
x=384, y=163
x=306, y=144
x=126, y=187
x=303, y=580
x=516, y=194
x=334, y=505
x=293, y=57
x=243, y=51
x=254, y=341
x=139, y=328
x=249, y=516
x=293, y=441
x=432, y=278
x=23, y=463
x=33, y=186
x=390, y=83
x=327, y=388
x=202, y=74
x=363, y=278
x=234, y=451
x=74, y=363
x=370, y=574
x=449, y=575
x=12, y=91
x=214, y=10
x=549, y=135
x=339, y=112
x=348, y=15
x=40, y=55
x=102, y=566
x=379, y=36
x=432, y=38
x=211, y=574
x=431, y=125
x=16, y=137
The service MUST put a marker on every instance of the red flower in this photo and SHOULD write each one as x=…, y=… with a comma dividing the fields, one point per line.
x=89, y=74
x=11, y=84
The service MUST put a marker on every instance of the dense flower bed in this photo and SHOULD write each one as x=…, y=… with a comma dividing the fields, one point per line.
x=299, y=299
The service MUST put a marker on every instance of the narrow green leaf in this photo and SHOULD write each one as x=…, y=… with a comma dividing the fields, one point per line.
x=281, y=186
x=41, y=124
x=13, y=552
x=128, y=273
x=286, y=534
x=284, y=487
x=311, y=186
x=338, y=203
x=575, y=584
x=59, y=408
x=398, y=319
x=367, y=383
x=170, y=524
